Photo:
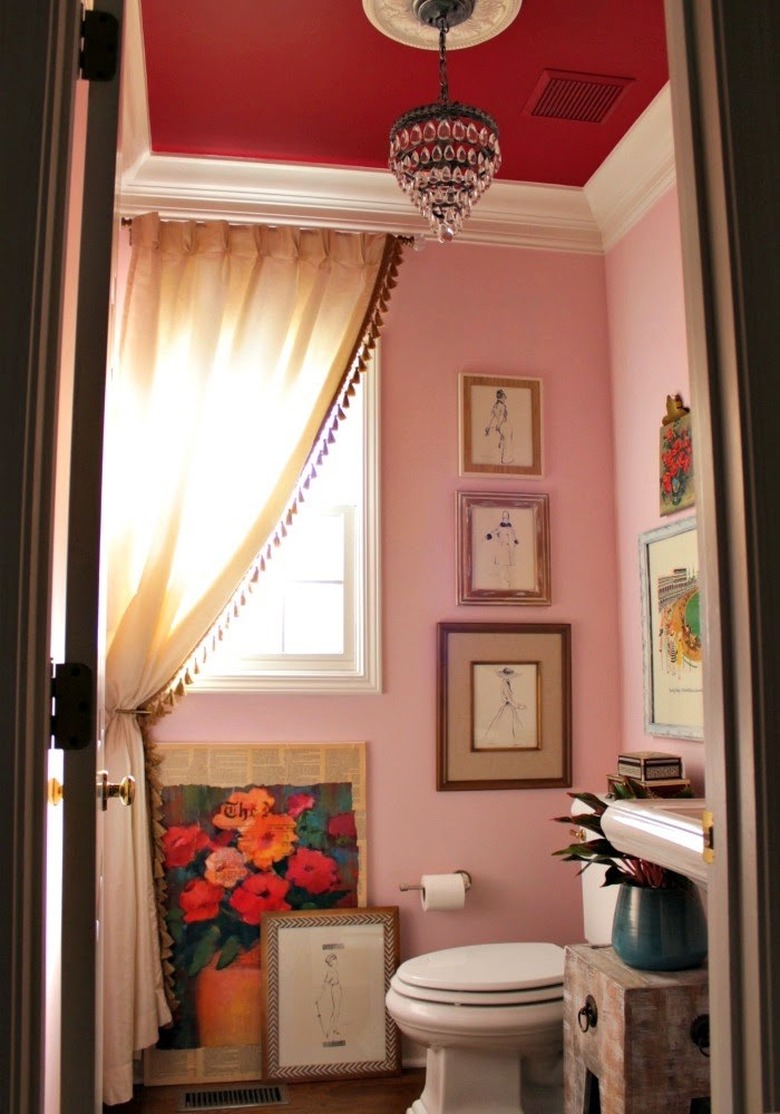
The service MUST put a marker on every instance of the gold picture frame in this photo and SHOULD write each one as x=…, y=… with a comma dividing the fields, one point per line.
x=500, y=426
x=503, y=548
x=504, y=706
x=325, y=977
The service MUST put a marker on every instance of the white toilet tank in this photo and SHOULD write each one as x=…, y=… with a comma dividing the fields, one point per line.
x=598, y=901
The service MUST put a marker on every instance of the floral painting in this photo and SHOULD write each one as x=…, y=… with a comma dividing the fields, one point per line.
x=245, y=830
x=676, y=474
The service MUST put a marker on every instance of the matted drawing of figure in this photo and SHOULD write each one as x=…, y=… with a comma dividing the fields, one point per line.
x=329, y=1000
x=505, y=706
x=501, y=427
x=505, y=544
x=507, y=720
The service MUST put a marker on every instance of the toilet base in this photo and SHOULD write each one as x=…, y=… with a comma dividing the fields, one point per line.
x=469, y=1081
x=487, y=1085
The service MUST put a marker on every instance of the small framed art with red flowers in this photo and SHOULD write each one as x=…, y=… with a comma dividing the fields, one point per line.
x=244, y=830
x=676, y=483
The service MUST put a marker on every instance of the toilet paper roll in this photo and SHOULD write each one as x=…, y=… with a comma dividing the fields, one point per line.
x=441, y=892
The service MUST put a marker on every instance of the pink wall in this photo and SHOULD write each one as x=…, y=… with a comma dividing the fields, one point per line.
x=648, y=358
x=495, y=310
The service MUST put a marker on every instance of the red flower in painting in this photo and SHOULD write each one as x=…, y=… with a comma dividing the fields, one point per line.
x=298, y=803
x=200, y=900
x=313, y=871
x=181, y=845
x=260, y=893
x=342, y=826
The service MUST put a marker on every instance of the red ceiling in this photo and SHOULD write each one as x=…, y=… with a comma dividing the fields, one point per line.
x=313, y=81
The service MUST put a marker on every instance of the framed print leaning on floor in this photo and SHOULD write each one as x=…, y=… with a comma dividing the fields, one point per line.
x=325, y=977
x=672, y=653
x=504, y=706
x=500, y=426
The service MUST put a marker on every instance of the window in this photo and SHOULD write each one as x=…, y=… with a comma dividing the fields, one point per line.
x=311, y=623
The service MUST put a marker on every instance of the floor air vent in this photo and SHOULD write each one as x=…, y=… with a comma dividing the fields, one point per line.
x=234, y=1098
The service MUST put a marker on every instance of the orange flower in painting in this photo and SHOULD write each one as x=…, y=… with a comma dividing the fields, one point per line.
x=225, y=867
x=242, y=807
x=267, y=839
x=200, y=900
x=181, y=844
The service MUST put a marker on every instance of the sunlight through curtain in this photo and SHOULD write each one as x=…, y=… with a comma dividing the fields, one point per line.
x=239, y=347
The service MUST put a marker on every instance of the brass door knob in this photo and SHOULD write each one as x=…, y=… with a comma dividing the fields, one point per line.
x=124, y=789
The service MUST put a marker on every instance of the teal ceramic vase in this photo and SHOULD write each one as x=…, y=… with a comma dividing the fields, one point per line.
x=661, y=929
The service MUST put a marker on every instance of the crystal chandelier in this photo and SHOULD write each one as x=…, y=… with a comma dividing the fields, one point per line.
x=444, y=155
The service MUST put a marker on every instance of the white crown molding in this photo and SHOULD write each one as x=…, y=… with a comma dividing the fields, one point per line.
x=638, y=171
x=134, y=131
x=510, y=213
x=514, y=214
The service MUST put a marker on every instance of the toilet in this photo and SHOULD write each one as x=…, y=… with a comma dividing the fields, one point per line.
x=490, y=1017
x=484, y=1013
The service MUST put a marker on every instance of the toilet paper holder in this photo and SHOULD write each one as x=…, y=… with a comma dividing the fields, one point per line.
x=404, y=886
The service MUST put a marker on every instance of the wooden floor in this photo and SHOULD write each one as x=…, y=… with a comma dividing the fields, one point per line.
x=391, y=1095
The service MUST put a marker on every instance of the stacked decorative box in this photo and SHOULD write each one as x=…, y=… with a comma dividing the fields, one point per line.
x=661, y=774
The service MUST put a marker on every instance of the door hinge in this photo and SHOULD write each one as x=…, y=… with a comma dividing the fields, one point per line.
x=708, y=823
x=99, y=54
x=72, y=717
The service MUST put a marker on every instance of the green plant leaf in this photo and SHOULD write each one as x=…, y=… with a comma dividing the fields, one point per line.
x=591, y=800
x=229, y=952
x=203, y=950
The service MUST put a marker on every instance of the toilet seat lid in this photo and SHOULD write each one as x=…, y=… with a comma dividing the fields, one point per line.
x=486, y=968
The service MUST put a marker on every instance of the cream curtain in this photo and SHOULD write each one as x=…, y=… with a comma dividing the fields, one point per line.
x=238, y=347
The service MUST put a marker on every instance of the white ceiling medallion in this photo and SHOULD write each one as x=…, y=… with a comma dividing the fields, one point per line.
x=397, y=20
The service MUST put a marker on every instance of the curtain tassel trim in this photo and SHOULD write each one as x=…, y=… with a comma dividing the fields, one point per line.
x=387, y=277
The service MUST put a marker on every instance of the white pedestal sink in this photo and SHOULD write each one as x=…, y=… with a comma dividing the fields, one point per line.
x=669, y=832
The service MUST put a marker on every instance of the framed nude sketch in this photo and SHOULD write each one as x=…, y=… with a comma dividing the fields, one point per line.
x=500, y=426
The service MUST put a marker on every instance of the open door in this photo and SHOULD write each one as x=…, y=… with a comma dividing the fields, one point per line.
x=726, y=112
x=44, y=138
x=85, y=787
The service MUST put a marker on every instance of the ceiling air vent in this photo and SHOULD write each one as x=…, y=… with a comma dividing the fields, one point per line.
x=584, y=97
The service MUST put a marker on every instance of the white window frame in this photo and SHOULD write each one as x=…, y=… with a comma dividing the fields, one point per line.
x=360, y=670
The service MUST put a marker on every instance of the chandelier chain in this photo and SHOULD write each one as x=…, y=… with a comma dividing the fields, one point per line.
x=444, y=88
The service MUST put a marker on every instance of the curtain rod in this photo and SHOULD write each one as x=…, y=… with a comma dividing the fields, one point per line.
x=126, y=222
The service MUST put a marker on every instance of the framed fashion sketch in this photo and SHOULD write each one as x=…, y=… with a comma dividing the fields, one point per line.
x=500, y=426
x=672, y=654
x=503, y=548
x=504, y=706
x=325, y=977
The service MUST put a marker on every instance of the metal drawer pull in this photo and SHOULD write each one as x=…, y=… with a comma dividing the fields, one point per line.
x=588, y=1016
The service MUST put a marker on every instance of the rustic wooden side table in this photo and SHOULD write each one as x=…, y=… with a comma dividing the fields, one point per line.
x=635, y=1042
